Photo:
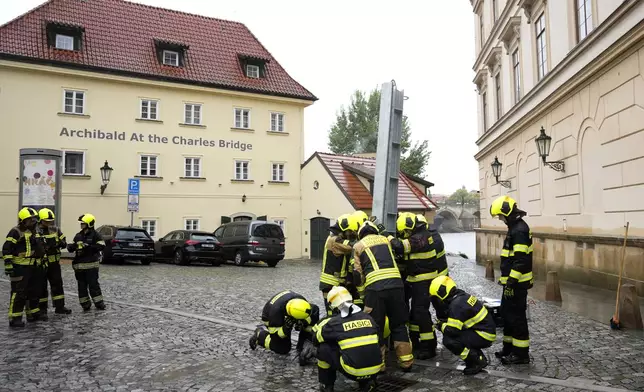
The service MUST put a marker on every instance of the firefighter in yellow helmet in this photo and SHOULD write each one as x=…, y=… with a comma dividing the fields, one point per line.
x=20, y=252
x=516, y=279
x=284, y=312
x=337, y=252
x=87, y=246
x=468, y=327
x=361, y=216
x=424, y=253
x=348, y=342
x=375, y=267
x=54, y=241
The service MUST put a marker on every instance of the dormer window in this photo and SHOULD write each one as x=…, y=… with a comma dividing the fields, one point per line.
x=171, y=57
x=65, y=42
x=253, y=66
x=171, y=53
x=65, y=36
x=252, y=71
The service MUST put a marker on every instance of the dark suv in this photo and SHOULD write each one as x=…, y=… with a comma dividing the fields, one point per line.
x=186, y=246
x=244, y=241
x=126, y=243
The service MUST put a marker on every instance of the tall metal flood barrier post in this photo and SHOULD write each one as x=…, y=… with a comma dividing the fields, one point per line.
x=40, y=178
x=385, y=187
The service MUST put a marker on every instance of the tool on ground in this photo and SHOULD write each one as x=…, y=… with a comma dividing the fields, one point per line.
x=614, y=322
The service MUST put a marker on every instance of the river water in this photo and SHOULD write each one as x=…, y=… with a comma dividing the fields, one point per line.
x=461, y=242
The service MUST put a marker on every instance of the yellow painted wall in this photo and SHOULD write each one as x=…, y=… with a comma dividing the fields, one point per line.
x=30, y=102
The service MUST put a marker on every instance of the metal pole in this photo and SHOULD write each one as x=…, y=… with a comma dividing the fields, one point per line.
x=131, y=219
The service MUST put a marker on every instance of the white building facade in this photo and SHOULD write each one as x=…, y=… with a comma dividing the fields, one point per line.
x=574, y=68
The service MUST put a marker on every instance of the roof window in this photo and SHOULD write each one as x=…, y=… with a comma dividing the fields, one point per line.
x=65, y=36
x=171, y=53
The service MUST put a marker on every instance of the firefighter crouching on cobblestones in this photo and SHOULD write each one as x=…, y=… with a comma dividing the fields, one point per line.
x=516, y=279
x=20, y=252
x=54, y=241
x=424, y=253
x=337, y=251
x=469, y=327
x=88, y=245
x=375, y=267
x=348, y=342
x=284, y=312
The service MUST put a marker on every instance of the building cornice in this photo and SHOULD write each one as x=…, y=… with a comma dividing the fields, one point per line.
x=493, y=33
x=480, y=80
x=511, y=32
x=476, y=4
x=493, y=60
x=529, y=5
x=572, y=84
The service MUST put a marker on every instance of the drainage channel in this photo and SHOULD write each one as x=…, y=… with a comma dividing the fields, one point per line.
x=578, y=383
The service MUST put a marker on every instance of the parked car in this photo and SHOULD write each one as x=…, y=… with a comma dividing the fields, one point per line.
x=186, y=246
x=244, y=241
x=126, y=243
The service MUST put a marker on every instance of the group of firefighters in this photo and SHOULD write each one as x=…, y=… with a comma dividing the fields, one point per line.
x=368, y=279
x=31, y=254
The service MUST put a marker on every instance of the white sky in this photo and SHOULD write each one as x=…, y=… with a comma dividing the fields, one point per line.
x=336, y=46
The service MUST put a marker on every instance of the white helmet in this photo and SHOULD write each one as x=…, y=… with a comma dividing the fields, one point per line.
x=338, y=295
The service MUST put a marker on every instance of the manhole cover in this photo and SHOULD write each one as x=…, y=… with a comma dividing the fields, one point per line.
x=393, y=384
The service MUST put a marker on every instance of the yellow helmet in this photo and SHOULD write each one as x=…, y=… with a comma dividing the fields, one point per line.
x=298, y=308
x=348, y=222
x=88, y=219
x=338, y=295
x=405, y=223
x=503, y=205
x=367, y=227
x=361, y=216
x=441, y=287
x=46, y=214
x=26, y=213
x=421, y=219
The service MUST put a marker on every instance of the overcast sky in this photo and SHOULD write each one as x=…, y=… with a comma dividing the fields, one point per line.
x=334, y=47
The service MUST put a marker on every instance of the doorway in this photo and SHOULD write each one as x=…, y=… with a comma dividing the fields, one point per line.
x=319, y=233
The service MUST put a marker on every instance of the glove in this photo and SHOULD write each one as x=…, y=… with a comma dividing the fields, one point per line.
x=508, y=292
x=289, y=323
x=300, y=325
x=8, y=272
x=439, y=324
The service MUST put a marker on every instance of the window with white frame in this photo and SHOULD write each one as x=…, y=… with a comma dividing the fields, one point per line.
x=278, y=172
x=148, y=165
x=149, y=109
x=150, y=225
x=242, y=170
x=516, y=75
x=64, y=42
x=277, y=122
x=74, y=102
x=542, y=55
x=252, y=71
x=484, y=99
x=281, y=222
x=242, y=118
x=191, y=224
x=74, y=163
x=171, y=57
x=499, y=101
x=584, y=18
x=192, y=114
x=192, y=167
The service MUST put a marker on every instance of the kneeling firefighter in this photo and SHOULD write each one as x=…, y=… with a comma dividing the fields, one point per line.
x=284, y=312
x=348, y=342
x=469, y=327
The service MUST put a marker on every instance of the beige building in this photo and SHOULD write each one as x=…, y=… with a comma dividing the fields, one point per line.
x=195, y=107
x=333, y=185
x=574, y=68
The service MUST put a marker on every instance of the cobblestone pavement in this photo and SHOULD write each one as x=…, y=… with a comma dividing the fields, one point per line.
x=175, y=328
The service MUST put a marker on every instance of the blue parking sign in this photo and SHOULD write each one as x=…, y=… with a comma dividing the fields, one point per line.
x=133, y=186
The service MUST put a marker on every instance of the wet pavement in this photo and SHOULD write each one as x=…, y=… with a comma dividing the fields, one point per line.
x=186, y=328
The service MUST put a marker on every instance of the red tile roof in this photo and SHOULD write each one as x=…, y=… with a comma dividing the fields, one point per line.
x=344, y=170
x=119, y=37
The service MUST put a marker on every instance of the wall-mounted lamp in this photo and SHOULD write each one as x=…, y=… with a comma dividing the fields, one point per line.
x=543, y=147
x=496, y=171
x=318, y=212
x=106, y=173
x=244, y=199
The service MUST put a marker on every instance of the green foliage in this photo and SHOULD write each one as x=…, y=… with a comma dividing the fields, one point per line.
x=356, y=131
x=463, y=198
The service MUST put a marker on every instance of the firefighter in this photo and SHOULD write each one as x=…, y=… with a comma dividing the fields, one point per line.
x=348, y=342
x=468, y=328
x=284, y=312
x=516, y=279
x=424, y=253
x=54, y=241
x=337, y=251
x=21, y=250
x=375, y=267
x=88, y=245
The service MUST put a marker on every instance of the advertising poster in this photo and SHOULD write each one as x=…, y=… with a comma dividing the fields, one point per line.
x=39, y=183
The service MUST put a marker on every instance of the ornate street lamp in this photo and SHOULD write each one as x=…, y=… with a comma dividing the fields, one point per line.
x=543, y=147
x=106, y=173
x=496, y=171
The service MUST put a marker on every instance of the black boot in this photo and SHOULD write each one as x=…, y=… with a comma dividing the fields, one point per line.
x=507, y=350
x=63, y=310
x=426, y=351
x=516, y=359
x=100, y=305
x=16, y=323
x=475, y=362
x=326, y=388
x=252, y=342
x=367, y=385
x=86, y=308
x=307, y=354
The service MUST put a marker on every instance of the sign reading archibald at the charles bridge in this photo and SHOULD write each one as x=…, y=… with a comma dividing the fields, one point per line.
x=97, y=134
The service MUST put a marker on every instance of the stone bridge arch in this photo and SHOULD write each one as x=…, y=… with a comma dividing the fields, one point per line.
x=449, y=219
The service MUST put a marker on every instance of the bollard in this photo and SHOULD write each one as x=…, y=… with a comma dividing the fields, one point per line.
x=553, y=293
x=489, y=270
x=630, y=315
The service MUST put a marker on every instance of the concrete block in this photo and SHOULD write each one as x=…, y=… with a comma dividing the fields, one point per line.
x=584, y=101
x=625, y=199
x=630, y=315
x=568, y=204
x=639, y=90
x=553, y=292
x=624, y=149
x=633, y=172
x=611, y=176
x=619, y=75
x=631, y=120
x=561, y=112
x=609, y=129
x=620, y=98
x=489, y=270
x=593, y=98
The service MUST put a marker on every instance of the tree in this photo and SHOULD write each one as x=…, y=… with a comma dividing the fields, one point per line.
x=463, y=198
x=356, y=131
